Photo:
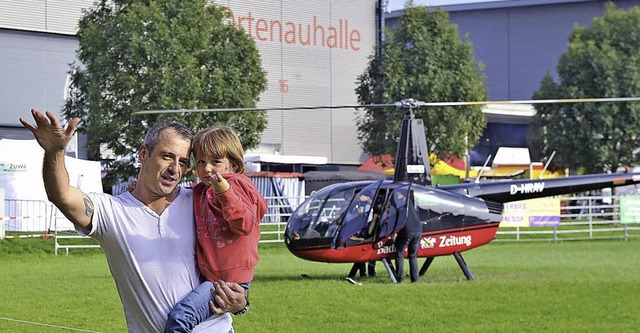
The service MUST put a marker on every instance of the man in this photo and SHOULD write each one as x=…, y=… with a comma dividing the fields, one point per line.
x=409, y=237
x=148, y=235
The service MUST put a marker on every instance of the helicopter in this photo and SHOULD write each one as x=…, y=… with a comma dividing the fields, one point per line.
x=355, y=222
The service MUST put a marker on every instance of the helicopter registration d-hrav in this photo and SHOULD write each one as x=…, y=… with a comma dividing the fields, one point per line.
x=356, y=221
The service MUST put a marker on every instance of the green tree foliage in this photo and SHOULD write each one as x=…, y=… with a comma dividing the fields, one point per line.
x=162, y=54
x=423, y=58
x=602, y=60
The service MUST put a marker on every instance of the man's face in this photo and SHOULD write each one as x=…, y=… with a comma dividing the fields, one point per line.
x=163, y=167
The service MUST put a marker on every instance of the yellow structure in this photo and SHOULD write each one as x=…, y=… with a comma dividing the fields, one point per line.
x=440, y=167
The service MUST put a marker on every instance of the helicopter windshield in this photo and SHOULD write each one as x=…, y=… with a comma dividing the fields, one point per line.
x=320, y=215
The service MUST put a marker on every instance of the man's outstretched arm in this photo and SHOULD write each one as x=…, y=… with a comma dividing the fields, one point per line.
x=72, y=202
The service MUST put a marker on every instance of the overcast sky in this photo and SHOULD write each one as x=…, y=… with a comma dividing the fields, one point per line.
x=399, y=4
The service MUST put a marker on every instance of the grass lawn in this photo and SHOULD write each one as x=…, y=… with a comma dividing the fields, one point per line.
x=526, y=287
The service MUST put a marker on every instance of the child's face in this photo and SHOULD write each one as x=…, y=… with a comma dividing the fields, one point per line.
x=208, y=166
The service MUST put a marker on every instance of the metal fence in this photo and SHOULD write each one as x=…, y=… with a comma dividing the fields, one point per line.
x=274, y=222
x=65, y=237
x=26, y=215
x=581, y=218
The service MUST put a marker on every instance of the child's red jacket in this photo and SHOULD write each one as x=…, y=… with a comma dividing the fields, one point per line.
x=227, y=227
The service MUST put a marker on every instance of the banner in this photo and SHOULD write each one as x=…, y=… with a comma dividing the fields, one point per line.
x=630, y=209
x=21, y=182
x=540, y=212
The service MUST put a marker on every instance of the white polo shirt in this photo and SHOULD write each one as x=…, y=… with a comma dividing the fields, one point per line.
x=152, y=257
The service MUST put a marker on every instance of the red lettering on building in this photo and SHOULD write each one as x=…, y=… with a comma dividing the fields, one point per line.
x=261, y=26
x=314, y=33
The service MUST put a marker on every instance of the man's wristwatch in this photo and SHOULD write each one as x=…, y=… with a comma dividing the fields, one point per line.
x=245, y=309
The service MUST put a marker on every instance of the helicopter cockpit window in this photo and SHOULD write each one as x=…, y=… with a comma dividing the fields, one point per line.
x=358, y=218
x=390, y=219
x=302, y=223
x=335, y=209
x=321, y=215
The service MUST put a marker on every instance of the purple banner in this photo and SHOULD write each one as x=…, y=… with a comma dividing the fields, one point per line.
x=544, y=221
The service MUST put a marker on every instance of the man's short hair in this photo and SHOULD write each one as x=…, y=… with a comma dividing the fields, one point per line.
x=151, y=139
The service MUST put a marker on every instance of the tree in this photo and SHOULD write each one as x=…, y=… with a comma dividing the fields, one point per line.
x=423, y=58
x=601, y=60
x=164, y=54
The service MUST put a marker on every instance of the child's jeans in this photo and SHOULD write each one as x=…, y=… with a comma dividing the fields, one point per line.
x=193, y=309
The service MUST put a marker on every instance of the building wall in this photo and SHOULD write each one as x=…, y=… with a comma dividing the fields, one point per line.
x=312, y=75
x=50, y=16
x=37, y=44
x=33, y=71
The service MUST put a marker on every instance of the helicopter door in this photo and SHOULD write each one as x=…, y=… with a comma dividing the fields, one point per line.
x=355, y=225
x=391, y=220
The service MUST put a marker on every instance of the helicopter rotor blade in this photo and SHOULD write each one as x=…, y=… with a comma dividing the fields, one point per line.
x=534, y=101
x=407, y=103
x=268, y=109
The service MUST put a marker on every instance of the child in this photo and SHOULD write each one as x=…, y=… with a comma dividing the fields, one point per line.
x=228, y=209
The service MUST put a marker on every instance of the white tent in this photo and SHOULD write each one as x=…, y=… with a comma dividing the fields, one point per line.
x=511, y=156
x=21, y=180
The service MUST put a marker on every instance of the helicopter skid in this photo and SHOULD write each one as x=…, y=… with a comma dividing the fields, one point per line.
x=459, y=260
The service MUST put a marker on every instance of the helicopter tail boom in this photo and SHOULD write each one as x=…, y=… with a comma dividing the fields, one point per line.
x=507, y=191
